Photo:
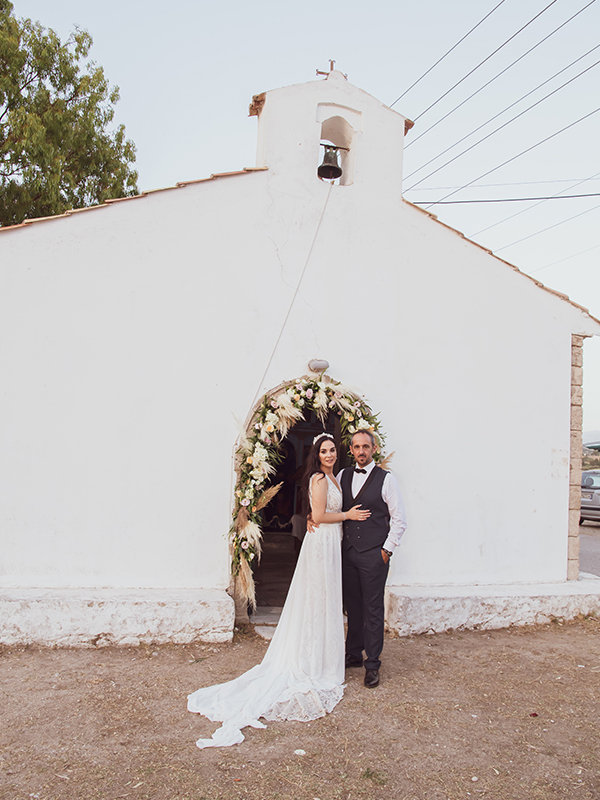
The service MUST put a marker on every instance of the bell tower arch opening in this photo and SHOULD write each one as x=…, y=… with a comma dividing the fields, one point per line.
x=337, y=130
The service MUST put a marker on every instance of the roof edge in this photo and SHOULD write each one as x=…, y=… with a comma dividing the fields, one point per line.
x=539, y=284
x=107, y=203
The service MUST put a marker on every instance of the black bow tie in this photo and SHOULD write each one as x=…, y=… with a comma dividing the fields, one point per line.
x=364, y=471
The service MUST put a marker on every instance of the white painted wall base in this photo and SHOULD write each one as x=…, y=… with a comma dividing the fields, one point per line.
x=433, y=609
x=97, y=617
x=100, y=617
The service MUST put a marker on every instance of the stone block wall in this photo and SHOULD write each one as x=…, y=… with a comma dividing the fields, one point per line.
x=576, y=452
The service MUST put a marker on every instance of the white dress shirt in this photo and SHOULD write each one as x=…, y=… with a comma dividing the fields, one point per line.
x=390, y=494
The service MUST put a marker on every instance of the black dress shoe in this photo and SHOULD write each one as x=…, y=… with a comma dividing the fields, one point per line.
x=353, y=662
x=371, y=678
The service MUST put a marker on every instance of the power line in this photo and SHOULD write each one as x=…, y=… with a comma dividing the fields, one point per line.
x=447, y=53
x=294, y=295
x=524, y=210
x=518, y=155
x=566, y=258
x=505, y=199
x=514, y=183
x=491, y=80
x=499, y=114
x=544, y=230
x=487, y=58
x=505, y=124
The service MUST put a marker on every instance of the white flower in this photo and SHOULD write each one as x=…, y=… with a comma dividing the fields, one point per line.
x=309, y=393
x=244, y=545
x=259, y=455
x=245, y=502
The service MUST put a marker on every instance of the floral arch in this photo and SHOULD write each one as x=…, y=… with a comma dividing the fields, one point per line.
x=258, y=454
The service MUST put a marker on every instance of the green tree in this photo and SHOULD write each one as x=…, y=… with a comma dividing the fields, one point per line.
x=57, y=149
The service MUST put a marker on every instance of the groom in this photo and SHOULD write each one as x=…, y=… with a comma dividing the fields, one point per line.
x=367, y=547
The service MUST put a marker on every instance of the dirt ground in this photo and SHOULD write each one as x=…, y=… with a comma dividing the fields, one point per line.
x=502, y=715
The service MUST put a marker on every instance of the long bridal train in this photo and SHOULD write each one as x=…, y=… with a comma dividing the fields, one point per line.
x=301, y=676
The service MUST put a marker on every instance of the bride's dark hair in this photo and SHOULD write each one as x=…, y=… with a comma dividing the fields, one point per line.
x=313, y=464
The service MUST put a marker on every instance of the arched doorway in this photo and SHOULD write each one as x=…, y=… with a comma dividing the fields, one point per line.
x=269, y=455
x=283, y=520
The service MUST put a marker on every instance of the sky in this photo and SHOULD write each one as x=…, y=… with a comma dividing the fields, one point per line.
x=187, y=71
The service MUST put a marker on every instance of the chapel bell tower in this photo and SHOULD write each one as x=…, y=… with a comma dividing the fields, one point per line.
x=329, y=130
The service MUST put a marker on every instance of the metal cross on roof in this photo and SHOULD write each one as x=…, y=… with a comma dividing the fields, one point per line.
x=331, y=68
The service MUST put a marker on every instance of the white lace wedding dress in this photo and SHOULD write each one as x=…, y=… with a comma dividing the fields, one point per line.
x=302, y=674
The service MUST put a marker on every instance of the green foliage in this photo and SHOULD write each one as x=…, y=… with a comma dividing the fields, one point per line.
x=57, y=150
x=590, y=460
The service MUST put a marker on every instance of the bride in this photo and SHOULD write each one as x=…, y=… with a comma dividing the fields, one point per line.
x=301, y=676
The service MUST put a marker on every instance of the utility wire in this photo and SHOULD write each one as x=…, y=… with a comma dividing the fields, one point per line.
x=447, y=53
x=566, y=258
x=505, y=199
x=499, y=114
x=295, y=294
x=487, y=58
x=524, y=210
x=544, y=230
x=513, y=183
x=504, y=124
x=491, y=80
x=518, y=155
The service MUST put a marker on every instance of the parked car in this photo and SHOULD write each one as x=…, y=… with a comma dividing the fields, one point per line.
x=590, y=495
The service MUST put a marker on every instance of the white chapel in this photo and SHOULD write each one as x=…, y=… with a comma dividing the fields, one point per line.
x=139, y=337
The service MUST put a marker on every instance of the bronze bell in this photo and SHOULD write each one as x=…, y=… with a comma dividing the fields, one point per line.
x=329, y=169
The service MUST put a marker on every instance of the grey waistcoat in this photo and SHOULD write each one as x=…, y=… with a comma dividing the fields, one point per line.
x=372, y=532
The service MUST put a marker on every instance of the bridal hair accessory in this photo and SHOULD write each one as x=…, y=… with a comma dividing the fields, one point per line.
x=320, y=436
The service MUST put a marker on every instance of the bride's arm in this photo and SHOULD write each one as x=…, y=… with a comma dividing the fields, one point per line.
x=318, y=484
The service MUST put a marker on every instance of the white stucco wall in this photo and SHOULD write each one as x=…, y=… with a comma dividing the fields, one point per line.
x=134, y=338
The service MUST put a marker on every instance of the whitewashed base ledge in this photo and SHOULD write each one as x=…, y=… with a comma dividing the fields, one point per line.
x=433, y=609
x=100, y=617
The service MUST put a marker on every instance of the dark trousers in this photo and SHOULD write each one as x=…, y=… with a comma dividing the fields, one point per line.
x=363, y=584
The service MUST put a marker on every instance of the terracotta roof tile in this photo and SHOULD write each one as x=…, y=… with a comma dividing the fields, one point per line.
x=508, y=264
x=107, y=203
x=245, y=171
